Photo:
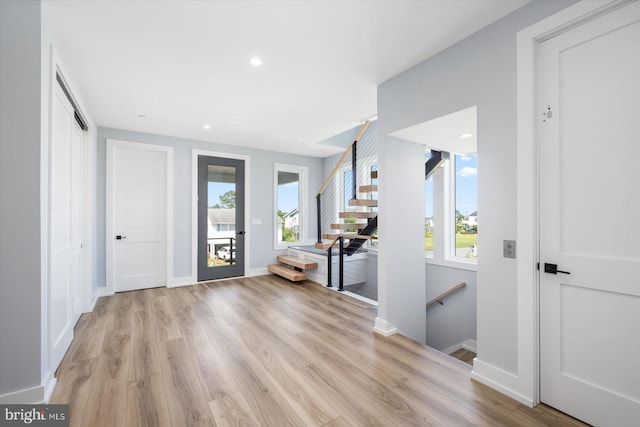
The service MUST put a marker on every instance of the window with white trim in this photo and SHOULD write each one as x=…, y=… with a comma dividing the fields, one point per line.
x=429, y=225
x=465, y=209
x=290, y=190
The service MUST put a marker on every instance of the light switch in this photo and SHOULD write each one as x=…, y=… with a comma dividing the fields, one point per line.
x=256, y=221
x=509, y=248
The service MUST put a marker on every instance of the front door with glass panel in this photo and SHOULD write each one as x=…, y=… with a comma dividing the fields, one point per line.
x=220, y=218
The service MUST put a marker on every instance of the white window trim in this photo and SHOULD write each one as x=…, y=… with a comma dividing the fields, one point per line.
x=444, y=210
x=303, y=204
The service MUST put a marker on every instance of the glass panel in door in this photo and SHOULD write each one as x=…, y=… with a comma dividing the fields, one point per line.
x=220, y=218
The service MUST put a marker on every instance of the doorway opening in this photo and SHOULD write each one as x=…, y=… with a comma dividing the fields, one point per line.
x=451, y=229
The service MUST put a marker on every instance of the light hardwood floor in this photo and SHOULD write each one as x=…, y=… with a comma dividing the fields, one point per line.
x=265, y=352
x=465, y=355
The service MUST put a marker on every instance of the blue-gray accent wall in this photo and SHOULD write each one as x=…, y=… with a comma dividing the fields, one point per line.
x=260, y=187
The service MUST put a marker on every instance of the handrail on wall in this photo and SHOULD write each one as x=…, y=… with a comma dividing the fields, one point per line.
x=443, y=295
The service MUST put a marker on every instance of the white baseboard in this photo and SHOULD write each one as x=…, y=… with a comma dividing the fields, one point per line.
x=384, y=328
x=104, y=292
x=177, y=282
x=500, y=380
x=93, y=302
x=252, y=272
x=49, y=386
x=31, y=396
x=469, y=345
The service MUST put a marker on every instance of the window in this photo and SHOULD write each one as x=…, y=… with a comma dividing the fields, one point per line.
x=428, y=212
x=289, y=192
x=466, y=206
x=373, y=170
x=347, y=190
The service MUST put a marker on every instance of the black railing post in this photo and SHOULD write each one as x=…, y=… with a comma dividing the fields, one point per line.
x=341, y=265
x=319, y=216
x=329, y=285
x=354, y=169
x=230, y=250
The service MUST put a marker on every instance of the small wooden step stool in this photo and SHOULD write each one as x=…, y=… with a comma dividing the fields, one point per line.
x=291, y=267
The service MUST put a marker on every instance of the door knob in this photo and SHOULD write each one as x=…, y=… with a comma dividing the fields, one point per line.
x=119, y=237
x=241, y=233
x=553, y=269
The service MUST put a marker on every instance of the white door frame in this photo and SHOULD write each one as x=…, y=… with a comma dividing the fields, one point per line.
x=529, y=169
x=168, y=152
x=194, y=211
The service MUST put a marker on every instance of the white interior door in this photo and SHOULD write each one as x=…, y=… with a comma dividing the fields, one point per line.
x=65, y=226
x=138, y=232
x=589, y=92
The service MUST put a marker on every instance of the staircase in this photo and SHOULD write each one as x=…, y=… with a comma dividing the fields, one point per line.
x=292, y=268
x=349, y=228
x=355, y=233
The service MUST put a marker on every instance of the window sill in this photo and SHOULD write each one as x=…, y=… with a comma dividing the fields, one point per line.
x=459, y=264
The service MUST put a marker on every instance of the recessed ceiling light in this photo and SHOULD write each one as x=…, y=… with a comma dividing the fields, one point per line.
x=206, y=127
x=466, y=135
x=255, y=61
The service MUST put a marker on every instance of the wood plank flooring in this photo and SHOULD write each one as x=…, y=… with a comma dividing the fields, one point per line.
x=265, y=352
x=465, y=355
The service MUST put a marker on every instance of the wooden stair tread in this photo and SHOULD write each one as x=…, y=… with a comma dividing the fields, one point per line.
x=325, y=246
x=349, y=226
x=363, y=202
x=374, y=174
x=287, y=273
x=331, y=236
x=368, y=188
x=357, y=214
x=297, y=262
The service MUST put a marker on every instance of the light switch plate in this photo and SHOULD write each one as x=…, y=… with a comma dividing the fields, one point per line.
x=256, y=221
x=509, y=248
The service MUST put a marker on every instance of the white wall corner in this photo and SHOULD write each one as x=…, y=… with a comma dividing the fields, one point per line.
x=176, y=282
x=505, y=382
x=384, y=328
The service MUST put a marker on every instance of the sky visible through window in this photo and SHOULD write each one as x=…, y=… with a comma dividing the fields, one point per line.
x=288, y=196
x=467, y=184
x=216, y=189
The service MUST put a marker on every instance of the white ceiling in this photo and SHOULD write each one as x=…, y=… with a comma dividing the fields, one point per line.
x=445, y=133
x=184, y=64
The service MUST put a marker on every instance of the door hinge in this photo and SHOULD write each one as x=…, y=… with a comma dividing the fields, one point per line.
x=538, y=266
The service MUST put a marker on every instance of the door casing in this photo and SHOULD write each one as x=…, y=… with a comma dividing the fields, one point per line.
x=194, y=211
x=168, y=151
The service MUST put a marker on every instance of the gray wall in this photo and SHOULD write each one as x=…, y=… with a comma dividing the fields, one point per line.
x=261, y=193
x=20, y=133
x=480, y=70
x=401, y=273
x=454, y=322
